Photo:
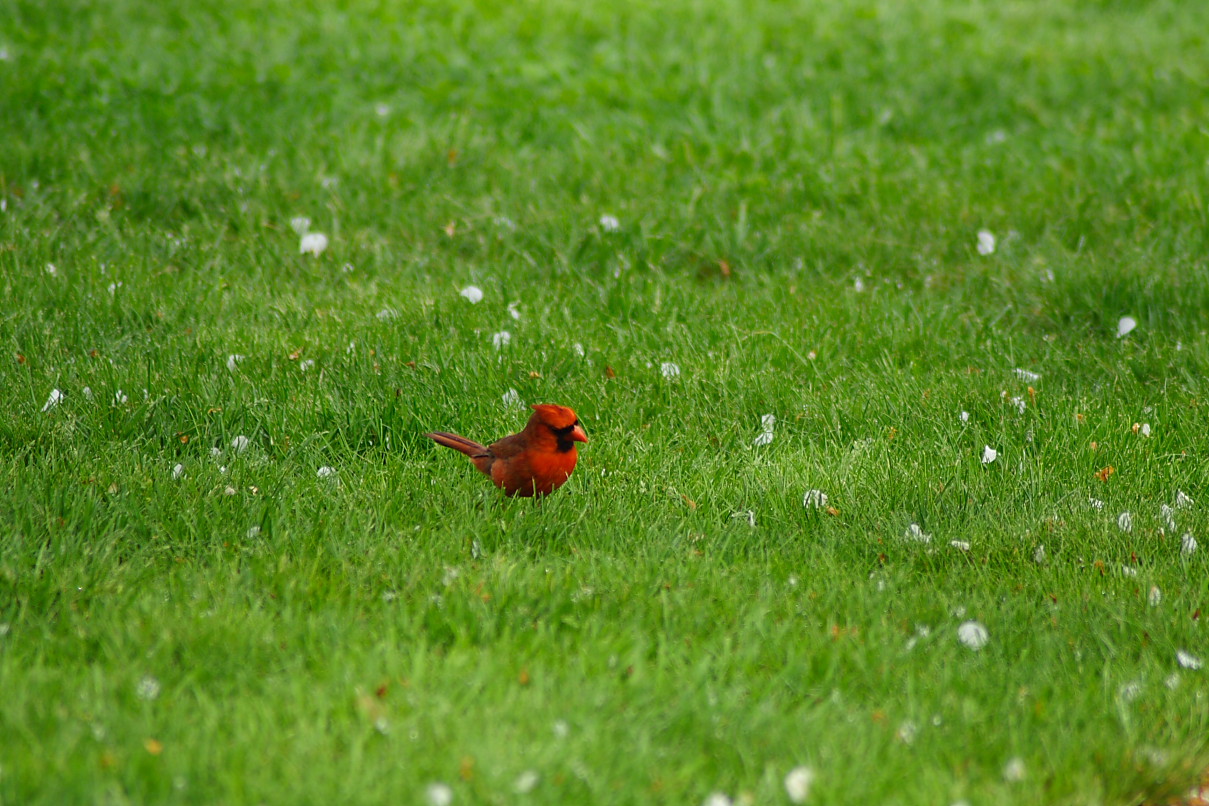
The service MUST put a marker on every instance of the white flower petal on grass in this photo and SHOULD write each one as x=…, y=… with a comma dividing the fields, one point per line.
x=986, y=242
x=512, y=398
x=119, y=398
x=525, y=782
x=56, y=397
x=253, y=532
x=313, y=243
x=1039, y=555
x=1130, y=691
x=1129, y=571
x=1188, y=660
x=1125, y=326
x=960, y=544
x=240, y=443
x=472, y=294
x=1095, y=503
x=989, y=455
x=300, y=224
x=1144, y=430
x=965, y=416
x=767, y=423
x=669, y=370
x=501, y=340
x=1019, y=403
x=579, y=349
x=438, y=794
x=1125, y=522
x=914, y=532
x=609, y=223
x=858, y=285
x=1167, y=515
x=907, y=732
x=973, y=635
x=148, y=688
x=1014, y=770
x=87, y=392
x=113, y=288
x=797, y=784
x=1182, y=500
x=233, y=361
x=387, y=314
x=717, y=799
x=814, y=499
x=1187, y=545
x=746, y=515
x=381, y=109
x=178, y=471
x=514, y=310
x=306, y=364
x=326, y=472
x=51, y=269
x=1155, y=596
x=1025, y=375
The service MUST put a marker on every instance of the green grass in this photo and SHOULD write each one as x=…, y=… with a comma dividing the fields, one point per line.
x=253, y=633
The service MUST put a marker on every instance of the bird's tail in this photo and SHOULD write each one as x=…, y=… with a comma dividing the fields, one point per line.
x=460, y=444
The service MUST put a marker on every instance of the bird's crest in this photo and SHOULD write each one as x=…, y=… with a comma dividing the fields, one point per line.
x=555, y=416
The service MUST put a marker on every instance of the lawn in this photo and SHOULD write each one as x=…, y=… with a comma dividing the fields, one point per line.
x=959, y=252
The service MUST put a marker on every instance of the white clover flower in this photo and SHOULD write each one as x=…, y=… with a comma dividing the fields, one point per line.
x=1095, y=503
x=148, y=688
x=306, y=364
x=240, y=443
x=326, y=472
x=989, y=455
x=56, y=397
x=858, y=285
x=87, y=392
x=1182, y=500
x=717, y=799
x=1125, y=522
x=300, y=224
x=501, y=340
x=986, y=242
x=1129, y=571
x=1125, y=326
x=312, y=243
x=669, y=370
x=1019, y=403
x=767, y=423
x=1144, y=430
x=1014, y=770
x=1025, y=375
x=914, y=532
x=512, y=398
x=973, y=635
x=1130, y=691
x=120, y=398
x=514, y=310
x=233, y=361
x=1187, y=545
x=253, y=532
x=609, y=223
x=965, y=416
x=1039, y=555
x=960, y=544
x=438, y=794
x=1155, y=596
x=51, y=269
x=814, y=499
x=178, y=472
x=1167, y=515
x=797, y=784
x=746, y=515
x=1187, y=660
x=472, y=294
x=387, y=314
x=579, y=349
x=525, y=782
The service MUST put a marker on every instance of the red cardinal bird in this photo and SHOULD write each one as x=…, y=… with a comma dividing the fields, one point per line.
x=537, y=461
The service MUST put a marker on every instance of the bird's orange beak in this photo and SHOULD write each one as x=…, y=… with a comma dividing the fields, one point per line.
x=578, y=434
